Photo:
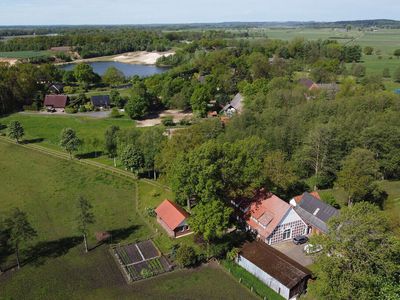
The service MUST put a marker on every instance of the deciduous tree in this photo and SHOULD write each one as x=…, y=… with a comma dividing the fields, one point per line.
x=132, y=158
x=85, y=218
x=69, y=141
x=15, y=130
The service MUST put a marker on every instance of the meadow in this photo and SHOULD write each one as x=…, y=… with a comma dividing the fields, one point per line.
x=24, y=54
x=55, y=264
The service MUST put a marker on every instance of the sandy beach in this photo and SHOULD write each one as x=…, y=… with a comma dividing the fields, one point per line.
x=11, y=61
x=138, y=57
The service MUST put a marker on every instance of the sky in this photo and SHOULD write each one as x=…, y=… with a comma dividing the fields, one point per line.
x=77, y=12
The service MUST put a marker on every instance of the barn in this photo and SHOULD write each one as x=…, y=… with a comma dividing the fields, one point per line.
x=282, y=274
x=173, y=219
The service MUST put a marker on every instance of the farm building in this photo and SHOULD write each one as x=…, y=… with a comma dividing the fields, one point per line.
x=282, y=274
x=56, y=88
x=234, y=107
x=101, y=101
x=55, y=102
x=173, y=219
x=271, y=219
x=313, y=211
x=308, y=83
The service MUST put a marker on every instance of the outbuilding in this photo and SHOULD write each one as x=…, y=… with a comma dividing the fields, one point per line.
x=173, y=219
x=101, y=101
x=281, y=273
x=55, y=102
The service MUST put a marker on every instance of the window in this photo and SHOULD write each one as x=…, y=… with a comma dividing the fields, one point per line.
x=287, y=233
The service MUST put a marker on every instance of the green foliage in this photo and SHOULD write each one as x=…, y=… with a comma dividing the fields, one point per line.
x=113, y=76
x=396, y=75
x=146, y=273
x=200, y=97
x=69, y=141
x=210, y=219
x=132, y=158
x=137, y=106
x=85, y=215
x=15, y=130
x=115, y=113
x=358, y=173
x=167, y=121
x=360, y=255
x=233, y=254
x=397, y=53
x=84, y=74
x=368, y=50
x=186, y=256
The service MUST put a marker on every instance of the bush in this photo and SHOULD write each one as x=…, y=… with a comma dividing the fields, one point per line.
x=186, y=256
x=82, y=109
x=168, y=121
x=69, y=90
x=115, y=113
x=30, y=107
x=150, y=212
x=184, y=122
x=71, y=110
x=145, y=273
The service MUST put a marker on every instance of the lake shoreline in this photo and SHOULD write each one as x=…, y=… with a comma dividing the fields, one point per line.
x=133, y=58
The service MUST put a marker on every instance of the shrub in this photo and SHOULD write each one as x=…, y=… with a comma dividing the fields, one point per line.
x=30, y=107
x=168, y=121
x=184, y=122
x=71, y=110
x=186, y=256
x=150, y=212
x=115, y=113
x=145, y=273
x=82, y=108
x=69, y=90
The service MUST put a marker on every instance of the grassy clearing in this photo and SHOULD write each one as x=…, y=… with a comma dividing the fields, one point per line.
x=49, y=127
x=24, y=54
x=250, y=281
x=95, y=276
x=48, y=188
x=392, y=204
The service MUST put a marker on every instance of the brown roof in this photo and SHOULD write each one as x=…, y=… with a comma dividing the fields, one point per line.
x=56, y=101
x=171, y=213
x=275, y=263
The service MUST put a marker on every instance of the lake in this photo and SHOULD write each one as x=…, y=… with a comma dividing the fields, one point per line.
x=129, y=70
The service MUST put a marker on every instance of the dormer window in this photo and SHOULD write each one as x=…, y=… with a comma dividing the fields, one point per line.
x=316, y=211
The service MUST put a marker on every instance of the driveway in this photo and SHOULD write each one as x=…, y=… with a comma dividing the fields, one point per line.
x=295, y=252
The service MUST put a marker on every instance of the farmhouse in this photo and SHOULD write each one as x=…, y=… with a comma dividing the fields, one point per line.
x=55, y=102
x=101, y=101
x=282, y=274
x=313, y=211
x=234, y=107
x=173, y=219
x=272, y=219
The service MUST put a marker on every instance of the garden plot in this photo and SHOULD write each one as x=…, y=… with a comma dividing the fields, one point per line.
x=140, y=260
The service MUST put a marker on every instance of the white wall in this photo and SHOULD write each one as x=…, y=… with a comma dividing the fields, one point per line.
x=291, y=216
x=264, y=277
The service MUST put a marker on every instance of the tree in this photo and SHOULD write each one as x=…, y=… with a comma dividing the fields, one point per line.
x=359, y=171
x=368, y=50
x=110, y=141
x=210, y=219
x=20, y=230
x=186, y=256
x=359, y=257
x=137, y=106
x=396, y=75
x=69, y=141
x=132, y=158
x=151, y=144
x=85, y=218
x=278, y=171
x=84, y=74
x=15, y=130
x=113, y=76
x=397, y=53
x=200, y=97
x=116, y=99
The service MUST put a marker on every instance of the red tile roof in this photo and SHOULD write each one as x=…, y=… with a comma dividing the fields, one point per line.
x=56, y=101
x=266, y=212
x=300, y=197
x=171, y=213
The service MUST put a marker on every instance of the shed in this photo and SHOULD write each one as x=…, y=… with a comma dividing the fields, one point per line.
x=281, y=273
x=101, y=101
x=235, y=106
x=173, y=219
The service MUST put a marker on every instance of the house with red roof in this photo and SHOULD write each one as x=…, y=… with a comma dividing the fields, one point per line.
x=272, y=219
x=173, y=219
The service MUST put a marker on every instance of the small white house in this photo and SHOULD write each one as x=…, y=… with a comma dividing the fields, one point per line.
x=282, y=274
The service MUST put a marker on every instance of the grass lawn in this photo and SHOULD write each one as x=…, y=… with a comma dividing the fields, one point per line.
x=24, y=54
x=48, y=188
x=392, y=204
x=250, y=281
x=48, y=127
x=95, y=276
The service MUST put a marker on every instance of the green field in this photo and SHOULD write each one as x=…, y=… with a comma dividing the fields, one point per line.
x=47, y=189
x=49, y=127
x=24, y=54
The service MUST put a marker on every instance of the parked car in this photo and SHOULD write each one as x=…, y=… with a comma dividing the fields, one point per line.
x=300, y=239
x=311, y=249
